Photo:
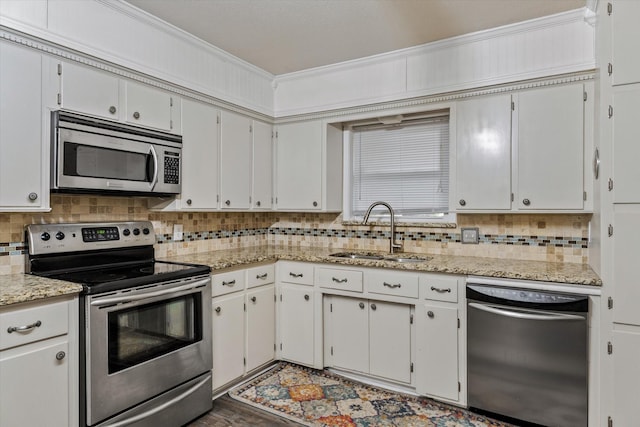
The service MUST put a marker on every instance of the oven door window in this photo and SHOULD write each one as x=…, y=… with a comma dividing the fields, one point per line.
x=149, y=331
x=98, y=162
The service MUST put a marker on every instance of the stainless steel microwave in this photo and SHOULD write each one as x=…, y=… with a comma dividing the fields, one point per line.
x=91, y=155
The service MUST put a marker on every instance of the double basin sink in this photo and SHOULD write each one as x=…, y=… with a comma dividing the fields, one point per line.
x=378, y=257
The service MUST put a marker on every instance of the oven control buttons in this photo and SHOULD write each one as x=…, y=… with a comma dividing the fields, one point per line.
x=59, y=235
x=126, y=232
x=136, y=231
x=145, y=231
x=45, y=236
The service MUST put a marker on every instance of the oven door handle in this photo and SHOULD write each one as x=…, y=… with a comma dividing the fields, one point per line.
x=162, y=407
x=528, y=315
x=131, y=298
x=154, y=180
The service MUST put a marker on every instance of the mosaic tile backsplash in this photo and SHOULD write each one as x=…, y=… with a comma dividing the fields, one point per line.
x=554, y=238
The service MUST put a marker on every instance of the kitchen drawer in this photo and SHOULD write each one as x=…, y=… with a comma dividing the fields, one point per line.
x=345, y=280
x=295, y=272
x=393, y=283
x=258, y=276
x=439, y=288
x=226, y=283
x=47, y=320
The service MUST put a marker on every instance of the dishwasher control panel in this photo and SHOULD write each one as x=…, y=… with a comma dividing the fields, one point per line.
x=531, y=298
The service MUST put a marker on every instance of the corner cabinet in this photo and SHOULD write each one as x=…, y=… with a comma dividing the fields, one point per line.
x=308, y=166
x=39, y=364
x=525, y=151
x=24, y=130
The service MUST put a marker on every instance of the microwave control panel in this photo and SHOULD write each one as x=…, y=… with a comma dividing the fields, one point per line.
x=171, y=167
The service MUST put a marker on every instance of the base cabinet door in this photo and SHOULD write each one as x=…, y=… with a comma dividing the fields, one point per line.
x=348, y=322
x=390, y=340
x=297, y=324
x=261, y=326
x=39, y=391
x=228, y=338
x=437, y=351
x=626, y=374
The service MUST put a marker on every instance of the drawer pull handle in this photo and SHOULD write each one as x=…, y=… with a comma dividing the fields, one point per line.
x=26, y=328
x=295, y=274
x=262, y=276
x=389, y=285
x=339, y=280
x=230, y=283
x=442, y=291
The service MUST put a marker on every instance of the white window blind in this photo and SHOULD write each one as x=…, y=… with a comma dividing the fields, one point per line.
x=406, y=165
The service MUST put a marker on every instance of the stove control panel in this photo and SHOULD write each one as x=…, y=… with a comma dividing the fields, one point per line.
x=60, y=238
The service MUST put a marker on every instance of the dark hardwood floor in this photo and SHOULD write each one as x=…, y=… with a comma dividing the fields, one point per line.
x=229, y=412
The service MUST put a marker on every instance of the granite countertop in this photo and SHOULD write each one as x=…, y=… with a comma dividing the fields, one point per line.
x=579, y=274
x=17, y=288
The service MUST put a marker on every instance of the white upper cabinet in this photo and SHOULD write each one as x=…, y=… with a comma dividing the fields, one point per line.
x=235, y=161
x=308, y=167
x=148, y=106
x=262, y=166
x=626, y=37
x=89, y=91
x=199, y=173
x=550, y=144
x=24, y=139
x=483, y=154
x=626, y=146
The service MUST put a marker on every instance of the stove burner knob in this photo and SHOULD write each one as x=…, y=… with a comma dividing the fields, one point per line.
x=136, y=231
x=145, y=231
x=45, y=236
x=59, y=235
x=126, y=232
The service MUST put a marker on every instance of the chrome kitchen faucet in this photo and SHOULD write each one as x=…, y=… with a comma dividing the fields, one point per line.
x=392, y=240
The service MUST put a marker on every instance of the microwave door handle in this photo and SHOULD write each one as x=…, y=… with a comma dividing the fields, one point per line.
x=154, y=179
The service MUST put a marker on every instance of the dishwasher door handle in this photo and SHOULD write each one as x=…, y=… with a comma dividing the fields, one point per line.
x=531, y=315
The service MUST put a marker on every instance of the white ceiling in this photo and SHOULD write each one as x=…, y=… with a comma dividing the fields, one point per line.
x=283, y=36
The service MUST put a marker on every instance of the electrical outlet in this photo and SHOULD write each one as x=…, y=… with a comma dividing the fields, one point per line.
x=469, y=235
x=177, y=232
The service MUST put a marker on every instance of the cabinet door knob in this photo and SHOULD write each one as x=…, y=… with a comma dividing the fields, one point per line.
x=228, y=202
x=60, y=355
x=315, y=204
x=361, y=305
x=218, y=309
x=258, y=203
x=430, y=314
x=373, y=307
x=136, y=115
x=33, y=196
x=526, y=202
x=462, y=202
x=112, y=109
x=306, y=297
x=189, y=201
x=253, y=299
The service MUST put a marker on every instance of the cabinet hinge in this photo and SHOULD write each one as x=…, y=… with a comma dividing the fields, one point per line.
x=610, y=230
x=610, y=111
x=609, y=9
x=512, y=197
x=411, y=367
x=610, y=68
x=274, y=300
x=513, y=106
x=280, y=346
x=411, y=319
x=170, y=101
x=250, y=128
x=276, y=201
x=609, y=348
x=245, y=306
x=332, y=350
x=217, y=198
x=458, y=323
x=610, y=303
x=459, y=386
x=274, y=346
x=244, y=361
x=217, y=120
x=281, y=300
x=330, y=308
x=59, y=69
x=610, y=184
x=584, y=196
x=249, y=199
x=584, y=96
x=170, y=124
x=59, y=99
x=609, y=419
x=276, y=134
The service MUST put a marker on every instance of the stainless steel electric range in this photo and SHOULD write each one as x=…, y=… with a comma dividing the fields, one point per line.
x=145, y=325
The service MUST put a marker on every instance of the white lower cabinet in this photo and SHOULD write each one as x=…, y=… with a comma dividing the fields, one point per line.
x=370, y=337
x=243, y=323
x=626, y=374
x=38, y=366
x=296, y=323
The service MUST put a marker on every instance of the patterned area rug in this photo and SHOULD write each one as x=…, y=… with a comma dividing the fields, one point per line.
x=319, y=398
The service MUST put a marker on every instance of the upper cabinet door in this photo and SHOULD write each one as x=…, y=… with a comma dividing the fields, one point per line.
x=89, y=91
x=626, y=42
x=24, y=162
x=483, y=154
x=262, y=166
x=550, y=144
x=199, y=173
x=148, y=106
x=235, y=165
x=626, y=144
x=299, y=166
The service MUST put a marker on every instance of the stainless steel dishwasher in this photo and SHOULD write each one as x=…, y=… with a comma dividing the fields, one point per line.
x=527, y=354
